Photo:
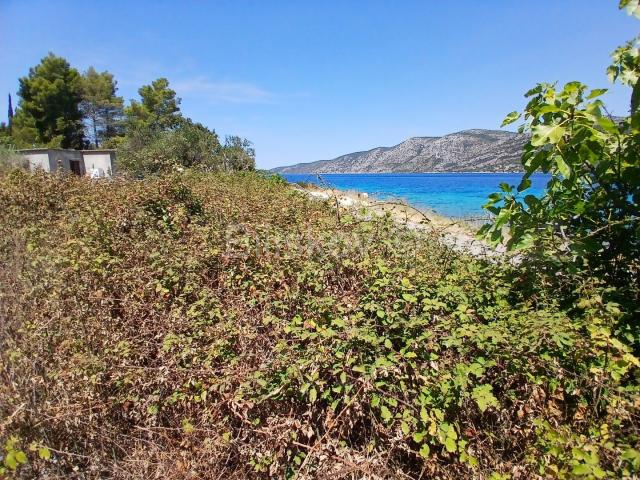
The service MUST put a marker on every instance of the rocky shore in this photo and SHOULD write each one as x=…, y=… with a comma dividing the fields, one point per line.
x=456, y=234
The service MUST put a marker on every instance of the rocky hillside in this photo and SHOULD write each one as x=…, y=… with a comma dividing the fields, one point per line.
x=467, y=151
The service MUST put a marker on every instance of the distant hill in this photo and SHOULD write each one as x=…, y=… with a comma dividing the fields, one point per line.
x=467, y=151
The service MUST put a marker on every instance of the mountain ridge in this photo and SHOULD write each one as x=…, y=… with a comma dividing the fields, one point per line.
x=473, y=150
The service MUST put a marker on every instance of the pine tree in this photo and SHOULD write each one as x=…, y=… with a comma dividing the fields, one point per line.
x=101, y=107
x=157, y=110
x=48, y=112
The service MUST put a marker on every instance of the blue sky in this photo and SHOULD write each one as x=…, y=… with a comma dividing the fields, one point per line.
x=310, y=80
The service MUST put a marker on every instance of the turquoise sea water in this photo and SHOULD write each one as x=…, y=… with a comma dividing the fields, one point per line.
x=458, y=195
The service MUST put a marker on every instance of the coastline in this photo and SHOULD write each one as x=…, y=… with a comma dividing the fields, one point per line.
x=438, y=172
x=456, y=234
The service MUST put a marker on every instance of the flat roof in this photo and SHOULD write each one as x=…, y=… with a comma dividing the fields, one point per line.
x=98, y=150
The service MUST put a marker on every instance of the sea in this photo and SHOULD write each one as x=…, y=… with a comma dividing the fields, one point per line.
x=454, y=195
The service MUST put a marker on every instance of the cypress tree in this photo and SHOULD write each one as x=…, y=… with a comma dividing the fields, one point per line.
x=10, y=115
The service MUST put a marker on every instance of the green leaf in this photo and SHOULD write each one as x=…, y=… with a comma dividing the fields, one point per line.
x=543, y=134
x=409, y=298
x=483, y=230
x=524, y=184
x=418, y=436
x=502, y=218
x=21, y=457
x=338, y=322
x=608, y=125
x=387, y=343
x=483, y=395
x=510, y=118
x=535, y=90
x=505, y=187
x=424, y=451
x=313, y=394
x=596, y=92
x=563, y=167
x=44, y=453
x=548, y=109
x=495, y=197
x=450, y=445
x=385, y=413
x=632, y=455
x=424, y=416
x=10, y=460
x=582, y=469
x=187, y=426
x=405, y=428
x=522, y=242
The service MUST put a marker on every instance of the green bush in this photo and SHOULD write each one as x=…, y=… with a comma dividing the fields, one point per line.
x=190, y=145
x=584, y=233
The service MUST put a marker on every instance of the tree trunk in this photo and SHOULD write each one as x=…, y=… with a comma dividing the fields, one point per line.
x=95, y=131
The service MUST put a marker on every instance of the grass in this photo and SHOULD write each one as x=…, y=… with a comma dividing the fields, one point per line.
x=226, y=326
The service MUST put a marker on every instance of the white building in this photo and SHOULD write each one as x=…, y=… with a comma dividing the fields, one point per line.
x=95, y=163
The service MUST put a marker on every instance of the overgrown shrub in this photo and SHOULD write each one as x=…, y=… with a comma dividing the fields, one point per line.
x=226, y=326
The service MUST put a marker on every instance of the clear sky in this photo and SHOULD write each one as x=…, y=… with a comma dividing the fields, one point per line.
x=311, y=80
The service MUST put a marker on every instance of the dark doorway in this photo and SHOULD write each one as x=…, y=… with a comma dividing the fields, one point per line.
x=75, y=167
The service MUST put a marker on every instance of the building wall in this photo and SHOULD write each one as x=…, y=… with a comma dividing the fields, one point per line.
x=62, y=158
x=101, y=161
x=39, y=160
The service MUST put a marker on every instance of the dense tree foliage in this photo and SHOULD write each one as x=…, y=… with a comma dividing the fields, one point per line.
x=159, y=139
x=48, y=112
x=188, y=145
x=238, y=154
x=61, y=108
x=101, y=107
x=158, y=108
